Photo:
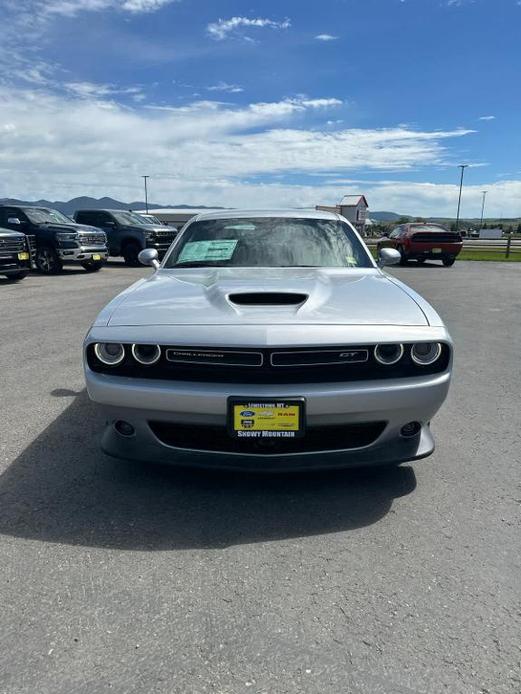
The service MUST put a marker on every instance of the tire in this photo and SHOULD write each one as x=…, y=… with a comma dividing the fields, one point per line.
x=130, y=254
x=403, y=259
x=17, y=276
x=92, y=265
x=448, y=262
x=47, y=260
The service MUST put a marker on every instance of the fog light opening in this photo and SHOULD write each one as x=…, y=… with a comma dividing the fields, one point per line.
x=124, y=428
x=411, y=429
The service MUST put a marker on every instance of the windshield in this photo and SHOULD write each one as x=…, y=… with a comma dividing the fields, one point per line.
x=269, y=242
x=428, y=227
x=130, y=218
x=149, y=219
x=41, y=215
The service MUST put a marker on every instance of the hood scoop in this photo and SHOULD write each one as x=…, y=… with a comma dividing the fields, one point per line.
x=268, y=298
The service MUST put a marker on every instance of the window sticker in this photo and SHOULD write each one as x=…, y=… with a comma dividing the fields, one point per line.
x=351, y=260
x=207, y=250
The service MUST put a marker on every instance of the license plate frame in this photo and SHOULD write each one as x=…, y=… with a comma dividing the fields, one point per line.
x=263, y=425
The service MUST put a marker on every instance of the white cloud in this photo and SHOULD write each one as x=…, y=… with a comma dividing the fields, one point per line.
x=224, y=28
x=225, y=87
x=70, y=8
x=94, y=90
x=487, y=118
x=326, y=37
x=59, y=146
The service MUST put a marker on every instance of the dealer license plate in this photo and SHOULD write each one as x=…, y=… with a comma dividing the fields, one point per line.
x=436, y=250
x=278, y=418
x=96, y=256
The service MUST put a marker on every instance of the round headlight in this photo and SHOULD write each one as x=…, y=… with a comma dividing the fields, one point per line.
x=425, y=353
x=146, y=354
x=388, y=354
x=109, y=353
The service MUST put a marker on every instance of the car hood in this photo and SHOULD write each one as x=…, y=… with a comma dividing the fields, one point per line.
x=217, y=297
x=6, y=233
x=70, y=227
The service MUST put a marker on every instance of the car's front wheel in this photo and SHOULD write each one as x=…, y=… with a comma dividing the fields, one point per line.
x=130, y=254
x=403, y=255
x=449, y=262
x=48, y=261
x=92, y=265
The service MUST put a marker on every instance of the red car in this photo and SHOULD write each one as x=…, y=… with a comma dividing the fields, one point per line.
x=421, y=241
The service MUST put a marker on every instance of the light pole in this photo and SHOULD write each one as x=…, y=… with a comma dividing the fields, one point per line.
x=145, y=178
x=462, y=167
x=483, y=208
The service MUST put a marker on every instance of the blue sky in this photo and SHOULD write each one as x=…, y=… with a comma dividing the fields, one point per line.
x=280, y=104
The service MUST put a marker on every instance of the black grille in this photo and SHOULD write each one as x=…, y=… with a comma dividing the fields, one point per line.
x=217, y=439
x=266, y=372
x=12, y=245
x=435, y=237
x=92, y=240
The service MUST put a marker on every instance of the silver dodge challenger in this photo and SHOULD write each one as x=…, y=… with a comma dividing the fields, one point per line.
x=268, y=341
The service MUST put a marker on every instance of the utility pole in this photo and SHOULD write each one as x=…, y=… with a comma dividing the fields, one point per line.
x=483, y=208
x=462, y=167
x=145, y=178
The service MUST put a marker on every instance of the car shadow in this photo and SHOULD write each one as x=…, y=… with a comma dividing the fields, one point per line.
x=63, y=489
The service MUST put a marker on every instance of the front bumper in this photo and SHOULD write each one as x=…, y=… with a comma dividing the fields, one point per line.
x=395, y=402
x=83, y=253
x=12, y=265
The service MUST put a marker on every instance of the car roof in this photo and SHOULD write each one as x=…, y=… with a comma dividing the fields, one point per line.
x=104, y=209
x=249, y=214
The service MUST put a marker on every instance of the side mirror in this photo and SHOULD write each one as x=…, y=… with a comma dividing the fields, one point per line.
x=13, y=220
x=388, y=256
x=149, y=256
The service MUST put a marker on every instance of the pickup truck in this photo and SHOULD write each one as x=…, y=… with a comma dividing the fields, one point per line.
x=15, y=259
x=57, y=239
x=128, y=233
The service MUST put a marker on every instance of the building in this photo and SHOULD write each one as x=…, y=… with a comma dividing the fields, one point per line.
x=353, y=208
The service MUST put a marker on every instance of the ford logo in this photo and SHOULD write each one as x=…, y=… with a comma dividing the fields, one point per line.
x=247, y=413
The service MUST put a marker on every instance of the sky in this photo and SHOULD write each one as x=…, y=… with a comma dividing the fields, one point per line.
x=268, y=105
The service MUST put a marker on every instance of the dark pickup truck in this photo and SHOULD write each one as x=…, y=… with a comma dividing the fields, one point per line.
x=15, y=259
x=57, y=239
x=128, y=233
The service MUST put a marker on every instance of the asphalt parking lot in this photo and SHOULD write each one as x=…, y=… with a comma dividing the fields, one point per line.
x=124, y=578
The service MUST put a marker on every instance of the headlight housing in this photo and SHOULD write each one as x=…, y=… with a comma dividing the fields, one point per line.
x=146, y=354
x=425, y=353
x=67, y=236
x=109, y=353
x=388, y=354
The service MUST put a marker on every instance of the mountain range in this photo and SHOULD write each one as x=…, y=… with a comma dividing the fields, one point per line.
x=87, y=203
